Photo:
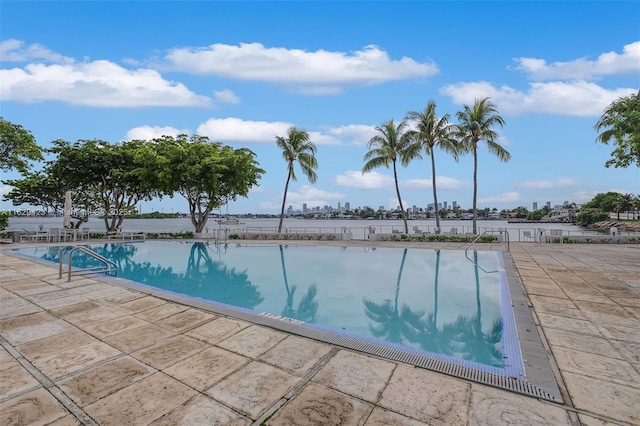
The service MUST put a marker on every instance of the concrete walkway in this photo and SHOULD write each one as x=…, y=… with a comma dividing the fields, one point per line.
x=90, y=352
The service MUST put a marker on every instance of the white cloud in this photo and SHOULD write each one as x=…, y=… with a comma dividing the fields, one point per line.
x=545, y=184
x=239, y=130
x=320, y=72
x=393, y=204
x=442, y=182
x=609, y=63
x=576, y=98
x=15, y=51
x=352, y=134
x=370, y=180
x=148, y=132
x=236, y=129
x=5, y=189
x=97, y=84
x=505, y=197
x=226, y=96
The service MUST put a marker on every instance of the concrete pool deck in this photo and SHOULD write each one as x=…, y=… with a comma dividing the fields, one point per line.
x=90, y=352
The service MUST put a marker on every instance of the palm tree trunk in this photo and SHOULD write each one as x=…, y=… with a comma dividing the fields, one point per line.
x=475, y=185
x=284, y=201
x=435, y=194
x=404, y=257
x=286, y=281
x=435, y=289
x=404, y=215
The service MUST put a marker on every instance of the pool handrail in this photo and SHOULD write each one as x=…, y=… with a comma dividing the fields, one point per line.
x=109, y=265
x=475, y=240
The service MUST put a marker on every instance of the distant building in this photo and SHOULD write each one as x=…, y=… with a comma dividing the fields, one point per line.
x=535, y=205
x=454, y=205
x=290, y=211
x=347, y=206
x=445, y=205
x=304, y=208
x=549, y=204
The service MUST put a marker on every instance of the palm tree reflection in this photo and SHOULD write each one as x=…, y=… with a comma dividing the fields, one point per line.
x=308, y=307
x=386, y=314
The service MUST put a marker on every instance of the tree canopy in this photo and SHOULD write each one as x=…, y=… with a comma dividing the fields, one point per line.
x=620, y=124
x=17, y=147
x=207, y=174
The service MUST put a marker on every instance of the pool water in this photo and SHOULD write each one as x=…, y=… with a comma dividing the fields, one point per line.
x=437, y=301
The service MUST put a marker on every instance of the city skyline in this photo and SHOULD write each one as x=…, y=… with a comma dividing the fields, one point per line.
x=242, y=73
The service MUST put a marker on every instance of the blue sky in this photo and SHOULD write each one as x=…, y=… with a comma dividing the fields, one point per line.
x=242, y=72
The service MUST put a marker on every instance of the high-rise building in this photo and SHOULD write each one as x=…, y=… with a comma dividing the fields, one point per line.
x=454, y=205
x=445, y=205
x=290, y=211
x=339, y=206
x=549, y=204
x=304, y=208
x=347, y=206
x=535, y=205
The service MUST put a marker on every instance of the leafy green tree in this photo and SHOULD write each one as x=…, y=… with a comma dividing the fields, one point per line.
x=4, y=220
x=107, y=172
x=391, y=145
x=589, y=216
x=605, y=201
x=476, y=124
x=17, y=147
x=297, y=148
x=207, y=174
x=431, y=132
x=620, y=124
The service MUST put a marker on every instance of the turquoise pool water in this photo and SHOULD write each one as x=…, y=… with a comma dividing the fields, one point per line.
x=430, y=300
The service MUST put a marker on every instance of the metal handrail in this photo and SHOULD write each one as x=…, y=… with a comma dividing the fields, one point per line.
x=109, y=265
x=466, y=250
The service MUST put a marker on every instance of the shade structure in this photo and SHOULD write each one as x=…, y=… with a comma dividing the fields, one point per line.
x=67, y=210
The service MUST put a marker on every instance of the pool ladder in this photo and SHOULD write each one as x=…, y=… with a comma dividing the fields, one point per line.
x=475, y=257
x=107, y=267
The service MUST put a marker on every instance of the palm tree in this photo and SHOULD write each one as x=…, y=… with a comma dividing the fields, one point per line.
x=624, y=204
x=431, y=131
x=307, y=308
x=297, y=147
x=389, y=146
x=475, y=124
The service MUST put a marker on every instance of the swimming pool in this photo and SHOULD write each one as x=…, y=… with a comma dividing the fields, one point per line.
x=412, y=303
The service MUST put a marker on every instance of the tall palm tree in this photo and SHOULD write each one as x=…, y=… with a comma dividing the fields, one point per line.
x=624, y=204
x=431, y=131
x=297, y=147
x=474, y=125
x=388, y=147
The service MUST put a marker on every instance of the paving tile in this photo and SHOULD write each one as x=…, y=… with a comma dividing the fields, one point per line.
x=581, y=342
x=14, y=380
x=586, y=420
x=252, y=341
x=491, y=406
x=169, y=351
x=139, y=337
x=74, y=359
x=141, y=402
x=161, y=312
x=253, y=389
x=186, y=320
x=427, y=396
x=34, y=408
x=356, y=374
x=89, y=386
x=597, y=366
x=568, y=324
x=95, y=316
x=51, y=345
x=629, y=350
x=218, y=329
x=296, y=354
x=115, y=326
x=602, y=308
x=17, y=311
x=631, y=334
x=69, y=420
x=119, y=298
x=62, y=301
x=204, y=369
x=25, y=320
x=382, y=417
x=317, y=405
x=201, y=410
x=611, y=399
x=6, y=360
x=29, y=333
x=142, y=304
x=65, y=311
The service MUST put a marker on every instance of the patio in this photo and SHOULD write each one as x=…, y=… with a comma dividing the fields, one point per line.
x=90, y=352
